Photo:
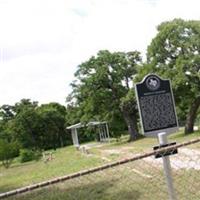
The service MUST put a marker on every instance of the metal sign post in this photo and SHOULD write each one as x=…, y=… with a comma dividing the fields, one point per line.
x=162, y=137
x=158, y=117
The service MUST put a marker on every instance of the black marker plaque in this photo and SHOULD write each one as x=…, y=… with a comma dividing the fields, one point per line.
x=156, y=105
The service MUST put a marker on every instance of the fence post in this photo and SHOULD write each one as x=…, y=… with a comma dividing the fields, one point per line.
x=162, y=137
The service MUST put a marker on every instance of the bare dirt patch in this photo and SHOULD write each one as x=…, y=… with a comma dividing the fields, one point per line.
x=185, y=159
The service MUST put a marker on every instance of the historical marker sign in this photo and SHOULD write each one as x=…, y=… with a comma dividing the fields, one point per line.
x=156, y=105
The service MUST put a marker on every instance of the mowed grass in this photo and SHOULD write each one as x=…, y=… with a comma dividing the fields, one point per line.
x=65, y=161
x=112, y=184
x=117, y=183
x=137, y=180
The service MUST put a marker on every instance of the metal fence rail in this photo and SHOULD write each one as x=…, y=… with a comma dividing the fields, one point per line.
x=138, y=177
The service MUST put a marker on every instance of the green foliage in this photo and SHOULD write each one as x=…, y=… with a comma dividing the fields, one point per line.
x=6, y=112
x=102, y=82
x=175, y=53
x=8, y=151
x=28, y=128
x=34, y=127
x=53, y=117
x=29, y=155
x=26, y=155
x=129, y=101
x=24, y=104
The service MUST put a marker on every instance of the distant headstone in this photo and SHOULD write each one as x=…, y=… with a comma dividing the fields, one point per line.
x=156, y=105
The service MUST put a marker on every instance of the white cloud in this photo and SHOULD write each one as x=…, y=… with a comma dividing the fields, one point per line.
x=42, y=41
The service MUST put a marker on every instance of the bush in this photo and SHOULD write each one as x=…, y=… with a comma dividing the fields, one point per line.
x=38, y=155
x=29, y=155
x=8, y=151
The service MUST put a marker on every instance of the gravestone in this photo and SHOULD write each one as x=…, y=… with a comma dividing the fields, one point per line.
x=156, y=105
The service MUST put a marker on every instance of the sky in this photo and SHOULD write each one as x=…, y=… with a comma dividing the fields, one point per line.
x=43, y=41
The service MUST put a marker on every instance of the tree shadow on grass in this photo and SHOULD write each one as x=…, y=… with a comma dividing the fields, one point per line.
x=103, y=190
x=5, y=188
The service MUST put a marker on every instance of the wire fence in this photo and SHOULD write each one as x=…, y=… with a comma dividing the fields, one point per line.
x=137, y=178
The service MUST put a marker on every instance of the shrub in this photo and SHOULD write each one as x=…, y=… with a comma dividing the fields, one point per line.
x=37, y=155
x=8, y=151
x=29, y=155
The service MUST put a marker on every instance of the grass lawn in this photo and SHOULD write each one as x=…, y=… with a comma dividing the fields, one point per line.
x=117, y=183
x=66, y=161
x=138, y=180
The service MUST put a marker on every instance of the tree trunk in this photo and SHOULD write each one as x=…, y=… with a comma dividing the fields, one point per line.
x=61, y=141
x=131, y=122
x=189, y=126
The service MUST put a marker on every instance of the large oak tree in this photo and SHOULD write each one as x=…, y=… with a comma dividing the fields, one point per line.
x=175, y=53
x=104, y=88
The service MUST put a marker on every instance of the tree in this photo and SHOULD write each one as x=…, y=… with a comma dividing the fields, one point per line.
x=175, y=53
x=24, y=104
x=129, y=107
x=8, y=151
x=7, y=112
x=53, y=125
x=103, y=83
x=28, y=128
x=34, y=127
x=25, y=127
x=20, y=123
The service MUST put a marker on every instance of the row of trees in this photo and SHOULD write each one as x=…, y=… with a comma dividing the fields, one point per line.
x=26, y=125
x=104, y=85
